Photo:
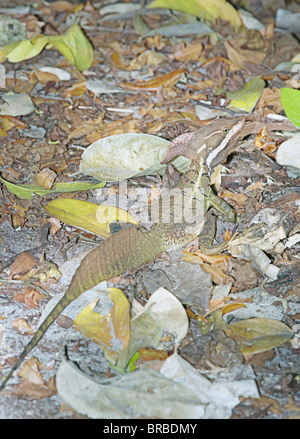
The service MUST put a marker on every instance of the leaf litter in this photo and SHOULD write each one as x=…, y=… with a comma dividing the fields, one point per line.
x=156, y=75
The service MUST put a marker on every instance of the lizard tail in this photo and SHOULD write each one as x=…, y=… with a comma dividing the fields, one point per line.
x=126, y=249
x=36, y=338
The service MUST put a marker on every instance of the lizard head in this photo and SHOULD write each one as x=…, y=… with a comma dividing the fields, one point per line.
x=212, y=142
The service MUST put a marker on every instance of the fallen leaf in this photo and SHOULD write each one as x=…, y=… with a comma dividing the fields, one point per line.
x=265, y=142
x=23, y=263
x=88, y=216
x=45, y=178
x=16, y=104
x=30, y=298
x=110, y=330
x=291, y=104
x=28, y=190
x=22, y=326
x=30, y=371
x=73, y=44
x=210, y=9
x=191, y=52
x=247, y=98
x=123, y=156
x=258, y=334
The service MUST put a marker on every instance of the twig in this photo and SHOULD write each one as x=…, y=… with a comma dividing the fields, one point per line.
x=28, y=284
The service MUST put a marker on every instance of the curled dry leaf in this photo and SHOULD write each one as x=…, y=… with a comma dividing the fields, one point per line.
x=30, y=298
x=45, y=178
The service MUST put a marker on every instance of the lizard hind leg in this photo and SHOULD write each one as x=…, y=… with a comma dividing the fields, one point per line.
x=207, y=236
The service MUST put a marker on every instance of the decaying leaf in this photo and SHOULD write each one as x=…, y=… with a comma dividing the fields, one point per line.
x=16, y=104
x=45, y=178
x=246, y=98
x=31, y=298
x=22, y=264
x=122, y=156
x=30, y=371
x=111, y=330
x=22, y=326
x=88, y=216
x=258, y=334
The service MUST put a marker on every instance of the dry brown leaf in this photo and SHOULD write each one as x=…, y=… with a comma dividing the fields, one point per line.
x=22, y=326
x=23, y=263
x=236, y=57
x=151, y=57
x=30, y=298
x=55, y=225
x=191, y=52
x=30, y=390
x=77, y=89
x=270, y=101
x=265, y=142
x=45, y=178
x=292, y=406
x=265, y=402
x=237, y=199
x=30, y=371
x=44, y=77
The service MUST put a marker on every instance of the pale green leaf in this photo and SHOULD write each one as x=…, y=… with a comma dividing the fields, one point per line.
x=290, y=100
x=28, y=190
x=123, y=156
x=208, y=9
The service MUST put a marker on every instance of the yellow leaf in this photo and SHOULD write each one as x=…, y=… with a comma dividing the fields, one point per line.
x=88, y=216
x=74, y=45
x=111, y=331
x=208, y=9
x=26, y=49
x=258, y=334
x=246, y=98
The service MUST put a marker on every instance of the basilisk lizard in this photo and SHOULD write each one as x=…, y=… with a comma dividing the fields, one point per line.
x=133, y=247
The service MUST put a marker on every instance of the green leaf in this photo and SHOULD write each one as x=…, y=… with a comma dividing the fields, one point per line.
x=208, y=9
x=28, y=190
x=246, y=98
x=290, y=100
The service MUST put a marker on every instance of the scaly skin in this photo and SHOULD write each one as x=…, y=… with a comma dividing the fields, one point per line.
x=133, y=247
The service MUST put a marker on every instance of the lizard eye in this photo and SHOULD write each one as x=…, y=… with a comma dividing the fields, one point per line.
x=226, y=130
